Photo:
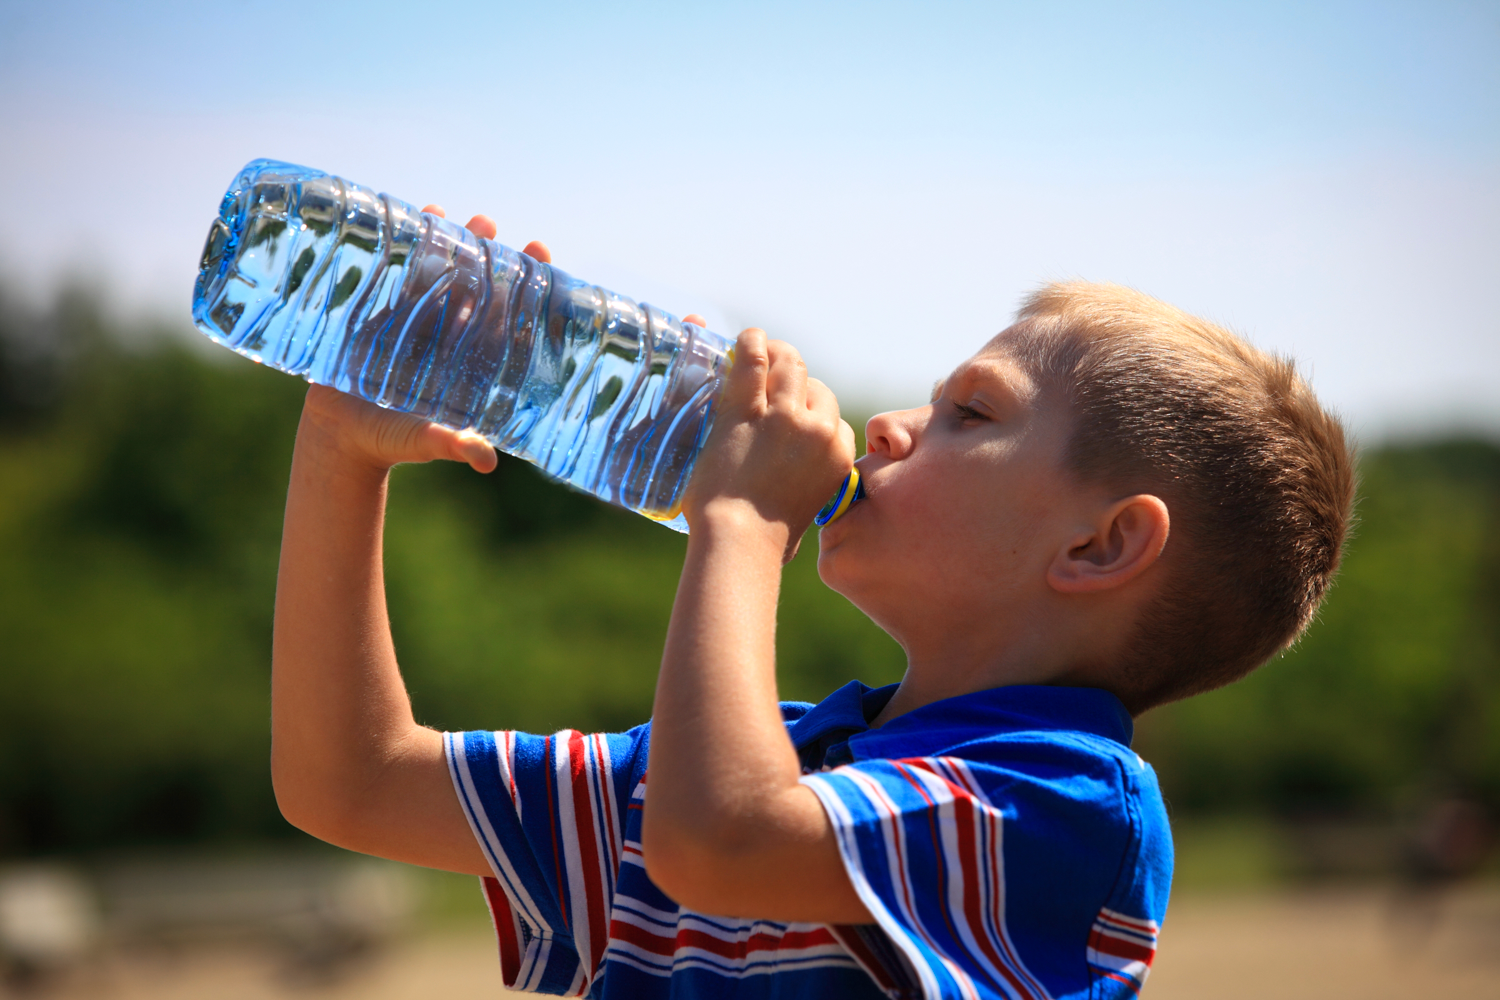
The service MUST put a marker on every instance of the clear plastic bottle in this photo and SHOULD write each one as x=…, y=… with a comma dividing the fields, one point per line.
x=350, y=288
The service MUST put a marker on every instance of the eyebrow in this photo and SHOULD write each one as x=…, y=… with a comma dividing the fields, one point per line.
x=977, y=372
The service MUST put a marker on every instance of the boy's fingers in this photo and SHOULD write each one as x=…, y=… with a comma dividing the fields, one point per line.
x=695, y=319
x=821, y=399
x=537, y=250
x=787, y=383
x=846, y=438
x=482, y=226
x=425, y=443
x=747, y=376
x=433, y=441
x=396, y=437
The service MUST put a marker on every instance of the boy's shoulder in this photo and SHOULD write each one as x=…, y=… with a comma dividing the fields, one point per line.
x=1033, y=790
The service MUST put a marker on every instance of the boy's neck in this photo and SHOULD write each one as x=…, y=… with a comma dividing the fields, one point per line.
x=919, y=688
x=1037, y=637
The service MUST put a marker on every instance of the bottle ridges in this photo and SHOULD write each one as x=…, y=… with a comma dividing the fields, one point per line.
x=326, y=279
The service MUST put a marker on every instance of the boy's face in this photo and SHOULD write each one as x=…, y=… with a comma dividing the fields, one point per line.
x=967, y=502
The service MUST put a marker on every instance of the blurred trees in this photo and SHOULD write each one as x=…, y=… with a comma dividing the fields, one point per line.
x=141, y=485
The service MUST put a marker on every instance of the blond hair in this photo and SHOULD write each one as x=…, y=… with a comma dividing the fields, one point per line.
x=1257, y=476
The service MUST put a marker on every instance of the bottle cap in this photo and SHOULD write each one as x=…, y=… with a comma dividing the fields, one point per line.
x=851, y=491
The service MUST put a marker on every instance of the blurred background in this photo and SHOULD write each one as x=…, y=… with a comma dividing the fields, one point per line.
x=879, y=184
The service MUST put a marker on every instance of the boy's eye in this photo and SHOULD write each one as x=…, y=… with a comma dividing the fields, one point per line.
x=966, y=412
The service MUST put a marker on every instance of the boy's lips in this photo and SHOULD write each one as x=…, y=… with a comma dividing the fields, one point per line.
x=865, y=476
x=863, y=496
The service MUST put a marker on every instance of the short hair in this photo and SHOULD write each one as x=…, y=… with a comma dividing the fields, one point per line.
x=1256, y=475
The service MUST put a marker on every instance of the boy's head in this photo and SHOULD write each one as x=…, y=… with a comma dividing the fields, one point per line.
x=1022, y=518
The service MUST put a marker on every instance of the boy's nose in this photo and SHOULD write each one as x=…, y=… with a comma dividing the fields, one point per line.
x=891, y=434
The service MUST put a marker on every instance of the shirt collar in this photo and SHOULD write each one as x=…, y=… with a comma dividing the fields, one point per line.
x=846, y=713
x=843, y=714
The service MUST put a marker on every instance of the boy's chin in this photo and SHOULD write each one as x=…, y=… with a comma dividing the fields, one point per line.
x=829, y=565
x=837, y=574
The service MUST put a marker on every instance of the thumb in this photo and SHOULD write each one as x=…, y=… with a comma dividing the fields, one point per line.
x=435, y=441
x=470, y=447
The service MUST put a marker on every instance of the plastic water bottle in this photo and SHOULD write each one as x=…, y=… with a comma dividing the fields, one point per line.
x=350, y=288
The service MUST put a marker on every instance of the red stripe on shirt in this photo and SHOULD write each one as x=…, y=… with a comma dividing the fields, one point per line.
x=505, y=929
x=606, y=795
x=1120, y=948
x=737, y=949
x=687, y=937
x=965, y=819
x=968, y=856
x=937, y=843
x=966, y=816
x=588, y=849
x=656, y=944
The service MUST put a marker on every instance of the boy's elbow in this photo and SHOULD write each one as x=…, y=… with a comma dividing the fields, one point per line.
x=297, y=806
x=298, y=813
x=688, y=878
x=699, y=869
x=311, y=806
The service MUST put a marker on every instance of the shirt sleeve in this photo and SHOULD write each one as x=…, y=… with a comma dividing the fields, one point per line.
x=921, y=842
x=1122, y=941
x=548, y=811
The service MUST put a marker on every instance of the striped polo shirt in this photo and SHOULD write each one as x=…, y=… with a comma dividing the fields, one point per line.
x=1007, y=842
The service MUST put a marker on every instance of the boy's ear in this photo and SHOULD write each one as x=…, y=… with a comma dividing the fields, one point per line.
x=1125, y=540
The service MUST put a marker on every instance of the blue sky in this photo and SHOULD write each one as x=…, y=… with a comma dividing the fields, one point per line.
x=878, y=183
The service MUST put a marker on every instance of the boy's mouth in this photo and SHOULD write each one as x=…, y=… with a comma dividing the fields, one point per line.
x=859, y=489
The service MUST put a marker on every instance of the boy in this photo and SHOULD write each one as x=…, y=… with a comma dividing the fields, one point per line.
x=1110, y=506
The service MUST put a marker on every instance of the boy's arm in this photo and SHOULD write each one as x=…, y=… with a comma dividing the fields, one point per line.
x=728, y=828
x=349, y=763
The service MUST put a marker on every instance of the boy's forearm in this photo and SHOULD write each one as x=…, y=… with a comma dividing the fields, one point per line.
x=717, y=735
x=723, y=778
x=716, y=714
x=338, y=701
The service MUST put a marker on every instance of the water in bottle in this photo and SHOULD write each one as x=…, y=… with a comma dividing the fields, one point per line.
x=354, y=289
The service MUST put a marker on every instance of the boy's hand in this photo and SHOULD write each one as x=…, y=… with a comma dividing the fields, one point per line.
x=379, y=438
x=778, y=449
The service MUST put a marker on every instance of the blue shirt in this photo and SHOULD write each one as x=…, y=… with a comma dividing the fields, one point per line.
x=1007, y=842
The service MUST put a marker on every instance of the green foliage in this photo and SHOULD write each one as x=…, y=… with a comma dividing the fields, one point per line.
x=138, y=515
x=141, y=487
